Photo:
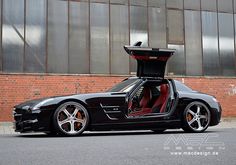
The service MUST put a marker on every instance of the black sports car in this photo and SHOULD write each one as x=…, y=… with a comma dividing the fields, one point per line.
x=148, y=101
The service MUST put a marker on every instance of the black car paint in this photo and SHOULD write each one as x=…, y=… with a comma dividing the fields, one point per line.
x=108, y=111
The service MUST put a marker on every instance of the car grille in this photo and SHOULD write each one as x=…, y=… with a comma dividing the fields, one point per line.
x=18, y=114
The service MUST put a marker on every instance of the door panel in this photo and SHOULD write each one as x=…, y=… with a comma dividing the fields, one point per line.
x=114, y=107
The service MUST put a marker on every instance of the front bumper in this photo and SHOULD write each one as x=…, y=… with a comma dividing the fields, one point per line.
x=26, y=126
x=216, y=115
x=28, y=121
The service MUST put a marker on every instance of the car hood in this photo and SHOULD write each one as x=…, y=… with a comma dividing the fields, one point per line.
x=29, y=103
x=202, y=93
x=57, y=99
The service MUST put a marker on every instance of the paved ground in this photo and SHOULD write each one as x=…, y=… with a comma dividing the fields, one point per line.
x=216, y=146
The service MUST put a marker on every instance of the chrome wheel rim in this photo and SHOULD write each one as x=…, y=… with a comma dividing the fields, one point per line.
x=72, y=118
x=198, y=117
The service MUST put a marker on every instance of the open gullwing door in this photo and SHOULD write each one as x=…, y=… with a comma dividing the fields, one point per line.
x=151, y=61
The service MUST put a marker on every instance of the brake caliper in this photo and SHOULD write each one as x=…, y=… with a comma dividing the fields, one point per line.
x=189, y=117
x=79, y=116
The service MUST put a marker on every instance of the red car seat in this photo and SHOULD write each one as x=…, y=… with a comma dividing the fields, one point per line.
x=144, y=103
x=147, y=96
x=161, y=101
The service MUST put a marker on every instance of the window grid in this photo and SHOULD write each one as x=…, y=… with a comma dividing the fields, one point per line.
x=29, y=36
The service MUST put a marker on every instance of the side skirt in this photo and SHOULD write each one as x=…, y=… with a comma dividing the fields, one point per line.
x=168, y=124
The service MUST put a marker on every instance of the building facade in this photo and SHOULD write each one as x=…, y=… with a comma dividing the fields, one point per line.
x=86, y=37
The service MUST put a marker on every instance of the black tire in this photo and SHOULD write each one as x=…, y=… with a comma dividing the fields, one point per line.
x=51, y=133
x=66, y=121
x=158, y=130
x=196, y=117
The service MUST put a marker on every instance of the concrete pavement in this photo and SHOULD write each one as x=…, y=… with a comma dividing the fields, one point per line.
x=214, y=147
x=6, y=128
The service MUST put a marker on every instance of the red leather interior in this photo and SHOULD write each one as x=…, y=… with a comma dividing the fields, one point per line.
x=143, y=111
x=162, y=99
x=147, y=96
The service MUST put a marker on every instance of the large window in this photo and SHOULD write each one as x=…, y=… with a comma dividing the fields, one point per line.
x=0, y=36
x=157, y=24
x=192, y=4
x=119, y=36
x=225, y=6
x=99, y=38
x=226, y=44
x=78, y=37
x=193, y=43
x=35, y=36
x=138, y=27
x=87, y=36
x=211, y=63
x=57, y=36
x=13, y=35
x=176, y=64
x=178, y=4
x=209, y=5
x=175, y=26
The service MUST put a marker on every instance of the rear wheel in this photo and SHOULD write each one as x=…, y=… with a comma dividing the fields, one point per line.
x=71, y=118
x=196, y=117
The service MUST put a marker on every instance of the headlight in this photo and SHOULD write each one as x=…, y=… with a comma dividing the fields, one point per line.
x=26, y=107
x=215, y=100
x=37, y=106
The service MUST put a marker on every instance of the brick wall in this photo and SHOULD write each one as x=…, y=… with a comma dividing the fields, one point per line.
x=16, y=88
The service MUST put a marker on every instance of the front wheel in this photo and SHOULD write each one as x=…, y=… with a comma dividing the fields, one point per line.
x=196, y=117
x=71, y=119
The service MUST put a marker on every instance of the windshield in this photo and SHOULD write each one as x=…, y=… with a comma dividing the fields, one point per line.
x=124, y=86
x=181, y=87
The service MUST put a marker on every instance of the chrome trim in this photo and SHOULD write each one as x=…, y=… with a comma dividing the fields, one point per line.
x=150, y=49
x=109, y=106
x=31, y=121
x=115, y=109
x=16, y=115
x=111, y=118
x=112, y=111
